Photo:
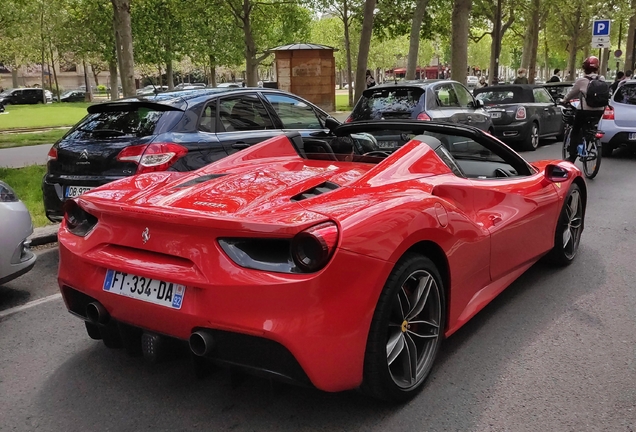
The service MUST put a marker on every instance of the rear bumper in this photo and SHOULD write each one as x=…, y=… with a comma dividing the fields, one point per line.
x=322, y=320
x=17, y=258
x=54, y=188
x=616, y=135
x=515, y=131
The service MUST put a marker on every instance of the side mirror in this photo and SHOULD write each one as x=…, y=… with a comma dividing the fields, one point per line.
x=331, y=123
x=556, y=174
x=478, y=103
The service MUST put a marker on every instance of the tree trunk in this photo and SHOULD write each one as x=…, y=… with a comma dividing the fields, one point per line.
x=532, y=67
x=170, y=75
x=346, y=22
x=531, y=39
x=88, y=96
x=414, y=41
x=114, y=87
x=495, y=45
x=14, y=76
x=574, y=43
x=630, y=48
x=123, y=36
x=363, y=52
x=459, y=39
x=43, y=49
x=95, y=75
x=57, y=86
x=251, y=62
x=212, y=79
x=547, y=54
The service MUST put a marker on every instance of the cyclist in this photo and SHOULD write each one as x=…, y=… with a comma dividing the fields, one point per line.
x=585, y=114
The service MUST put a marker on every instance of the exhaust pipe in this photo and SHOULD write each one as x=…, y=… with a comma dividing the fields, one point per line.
x=201, y=343
x=96, y=313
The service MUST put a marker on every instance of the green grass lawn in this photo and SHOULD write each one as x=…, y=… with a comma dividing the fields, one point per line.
x=27, y=184
x=33, y=138
x=47, y=115
x=342, y=102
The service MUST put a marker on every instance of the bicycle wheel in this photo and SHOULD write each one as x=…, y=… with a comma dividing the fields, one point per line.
x=566, y=142
x=592, y=161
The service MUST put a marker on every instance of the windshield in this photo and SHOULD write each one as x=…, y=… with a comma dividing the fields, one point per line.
x=6, y=92
x=388, y=103
x=498, y=97
x=626, y=94
x=138, y=123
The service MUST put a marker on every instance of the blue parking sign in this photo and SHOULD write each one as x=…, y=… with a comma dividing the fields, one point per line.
x=601, y=28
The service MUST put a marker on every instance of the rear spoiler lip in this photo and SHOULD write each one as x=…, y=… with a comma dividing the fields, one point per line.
x=132, y=105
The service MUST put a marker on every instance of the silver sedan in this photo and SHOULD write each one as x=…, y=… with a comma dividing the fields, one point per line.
x=15, y=226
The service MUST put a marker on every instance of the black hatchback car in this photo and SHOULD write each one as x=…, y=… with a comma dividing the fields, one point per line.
x=522, y=113
x=181, y=131
x=21, y=96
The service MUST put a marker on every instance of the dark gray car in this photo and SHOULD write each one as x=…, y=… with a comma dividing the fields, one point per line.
x=436, y=100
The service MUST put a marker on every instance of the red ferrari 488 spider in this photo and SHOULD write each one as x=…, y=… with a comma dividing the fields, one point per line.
x=340, y=261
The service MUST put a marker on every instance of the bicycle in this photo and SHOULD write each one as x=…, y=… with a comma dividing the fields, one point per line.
x=589, y=151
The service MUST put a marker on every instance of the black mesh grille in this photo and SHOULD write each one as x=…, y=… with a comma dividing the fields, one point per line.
x=315, y=191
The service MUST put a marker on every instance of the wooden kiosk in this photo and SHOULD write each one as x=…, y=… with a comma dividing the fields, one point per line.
x=309, y=71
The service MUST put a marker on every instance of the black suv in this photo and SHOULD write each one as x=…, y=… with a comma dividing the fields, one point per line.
x=22, y=96
x=180, y=130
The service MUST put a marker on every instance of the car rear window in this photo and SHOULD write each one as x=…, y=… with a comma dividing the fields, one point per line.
x=499, y=96
x=132, y=122
x=387, y=103
x=626, y=94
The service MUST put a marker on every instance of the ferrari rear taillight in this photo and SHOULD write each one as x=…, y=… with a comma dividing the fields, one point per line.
x=77, y=220
x=608, y=114
x=423, y=116
x=313, y=247
x=152, y=157
x=52, y=155
x=521, y=113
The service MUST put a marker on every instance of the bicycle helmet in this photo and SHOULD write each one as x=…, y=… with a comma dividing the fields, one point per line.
x=591, y=64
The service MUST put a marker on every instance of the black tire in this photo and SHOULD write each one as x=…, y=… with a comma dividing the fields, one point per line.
x=607, y=149
x=592, y=162
x=389, y=372
x=566, y=142
x=565, y=249
x=531, y=141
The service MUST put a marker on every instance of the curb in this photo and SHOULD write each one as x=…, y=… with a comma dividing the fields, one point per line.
x=44, y=235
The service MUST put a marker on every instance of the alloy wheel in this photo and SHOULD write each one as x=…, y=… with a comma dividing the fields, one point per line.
x=573, y=224
x=535, y=136
x=414, y=329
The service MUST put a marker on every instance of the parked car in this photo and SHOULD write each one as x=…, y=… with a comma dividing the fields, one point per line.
x=229, y=85
x=181, y=131
x=619, y=119
x=150, y=90
x=73, y=96
x=15, y=227
x=334, y=269
x=558, y=90
x=22, y=96
x=437, y=100
x=522, y=113
x=472, y=81
x=189, y=86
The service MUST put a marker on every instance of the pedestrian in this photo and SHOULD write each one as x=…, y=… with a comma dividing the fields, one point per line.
x=521, y=77
x=617, y=80
x=482, y=83
x=370, y=79
x=555, y=77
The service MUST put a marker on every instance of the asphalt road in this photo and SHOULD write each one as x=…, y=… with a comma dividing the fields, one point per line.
x=18, y=157
x=555, y=352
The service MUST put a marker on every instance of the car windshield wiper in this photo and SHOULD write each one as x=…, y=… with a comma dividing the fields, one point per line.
x=103, y=131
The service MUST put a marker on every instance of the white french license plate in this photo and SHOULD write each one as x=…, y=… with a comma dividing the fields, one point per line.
x=161, y=293
x=75, y=191
x=495, y=114
x=632, y=136
x=388, y=144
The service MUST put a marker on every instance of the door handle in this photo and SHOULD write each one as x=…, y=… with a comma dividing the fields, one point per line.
x=495, y=219
x=546, y=109
x=240, y=145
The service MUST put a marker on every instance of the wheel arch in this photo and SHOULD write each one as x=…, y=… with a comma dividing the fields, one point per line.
x=435, y=253
x=583, y=187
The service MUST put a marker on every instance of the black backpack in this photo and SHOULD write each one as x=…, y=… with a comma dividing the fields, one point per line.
x=598, y=93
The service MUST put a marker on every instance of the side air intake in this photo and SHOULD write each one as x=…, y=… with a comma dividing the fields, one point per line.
x=315, y=191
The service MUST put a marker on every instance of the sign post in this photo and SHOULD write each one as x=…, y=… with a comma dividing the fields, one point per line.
x=601, y=33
